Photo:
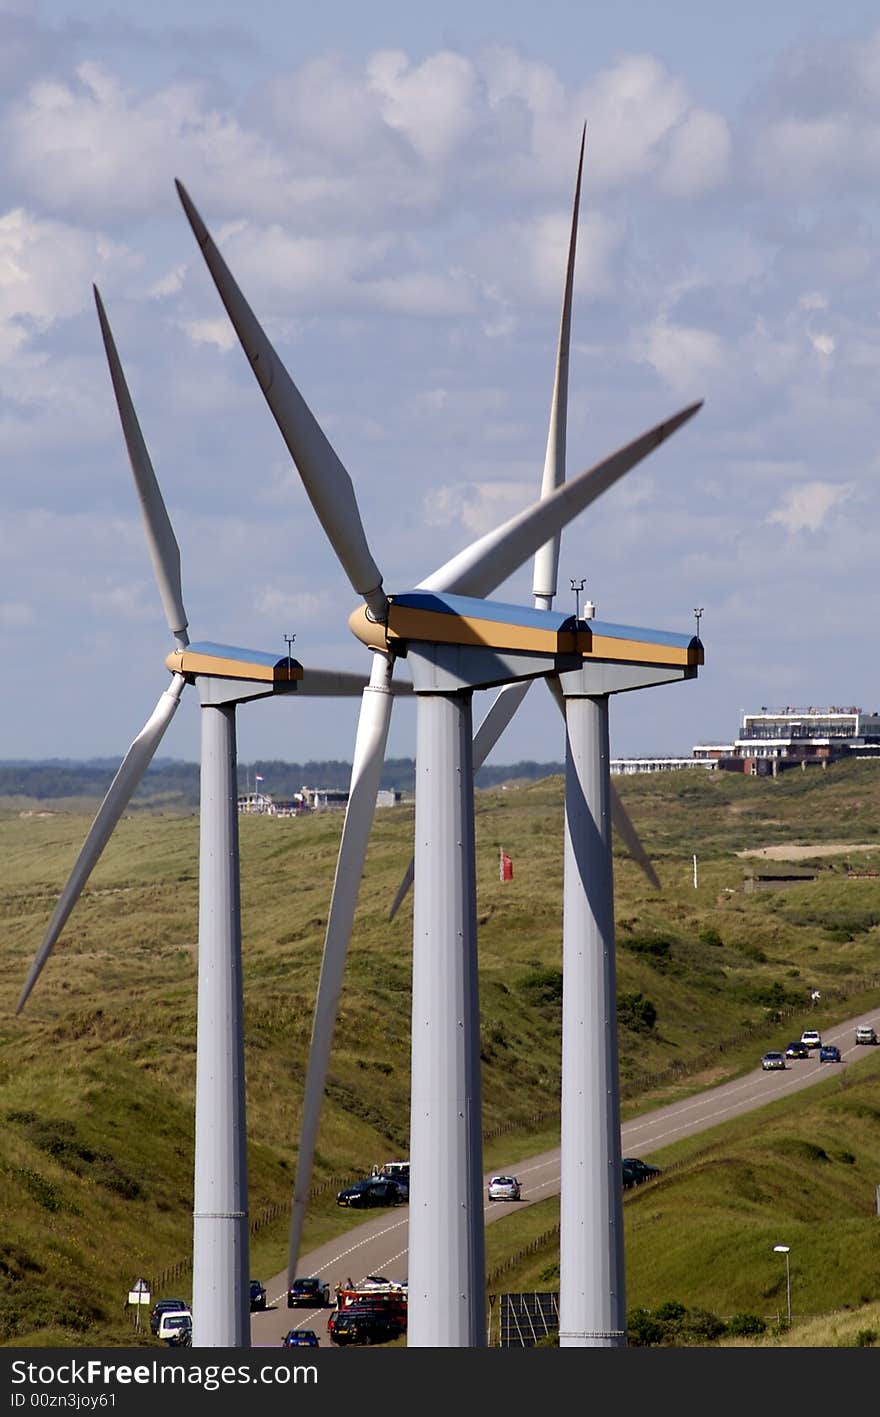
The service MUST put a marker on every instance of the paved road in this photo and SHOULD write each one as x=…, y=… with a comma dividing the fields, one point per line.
x=379, y=1246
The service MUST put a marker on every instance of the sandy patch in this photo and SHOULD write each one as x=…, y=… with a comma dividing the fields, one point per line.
x=798, y=853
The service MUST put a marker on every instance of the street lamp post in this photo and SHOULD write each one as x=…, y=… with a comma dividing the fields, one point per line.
x=784, y=1250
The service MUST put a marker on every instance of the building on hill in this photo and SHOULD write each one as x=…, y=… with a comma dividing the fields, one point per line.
x=627, y=766
x=779, y=738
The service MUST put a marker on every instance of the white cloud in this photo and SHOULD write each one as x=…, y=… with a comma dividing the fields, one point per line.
x=806, y=508
x=46, y=271
x=218, y=333
x=476, y=507
x=295, y=606
x=683, y=356
x=431, y=104
x=823, y=344
x=92, y=144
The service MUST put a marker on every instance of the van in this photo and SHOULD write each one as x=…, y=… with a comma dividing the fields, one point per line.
x=175, y=1326
x=396, y=1170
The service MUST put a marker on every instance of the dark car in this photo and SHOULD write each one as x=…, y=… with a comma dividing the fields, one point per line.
x=829, y=1053
x=364, y=1327
x=636, y=1171
x=797, y=1049
x=258, y=1295
x=160, y=1306
x=373, y=1192
x=309, y=1292
x=300, y=1338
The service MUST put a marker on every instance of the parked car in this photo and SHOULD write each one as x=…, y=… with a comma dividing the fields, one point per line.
x=258, y=1295
x=866, y=1034
x=811, y=1038
x=175, y=1328
x=308, y=1293
x=771, y=1061
x=300, y=1338
x=828, y=1053
x=635, y=1171
x=162, y=1306
x=504, y=1188
x=797, y=1049
x=374, y=1191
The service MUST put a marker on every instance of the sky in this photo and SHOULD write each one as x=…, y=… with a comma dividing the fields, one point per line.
x=391, y=185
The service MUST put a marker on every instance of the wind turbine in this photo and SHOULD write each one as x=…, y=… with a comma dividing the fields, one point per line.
x=226, y=676
x=454, y=643
x=508, y=698
x=370, y=745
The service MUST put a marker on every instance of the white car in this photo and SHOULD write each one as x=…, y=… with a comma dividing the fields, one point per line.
x=504, y=1188
x=866, y=1034
x=175, y=1327
x=811, y=1039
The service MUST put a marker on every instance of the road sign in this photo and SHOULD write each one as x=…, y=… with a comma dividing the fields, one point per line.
x=139, y=1293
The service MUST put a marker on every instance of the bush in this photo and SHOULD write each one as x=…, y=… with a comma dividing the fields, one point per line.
x=745, y=1326
x=710, y=936
x=642, y=1329
x=636, y=1013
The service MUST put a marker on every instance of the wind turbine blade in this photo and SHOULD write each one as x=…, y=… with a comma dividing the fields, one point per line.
x=366, y=773
x=119, y=794
x=164, y=551
x=486, y=563
x=619, y=816
x=498, y=715
x=326, y=481
x=336, y=683
x=547, y=556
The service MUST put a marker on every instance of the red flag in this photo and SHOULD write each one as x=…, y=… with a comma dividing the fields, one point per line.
x=506, y=866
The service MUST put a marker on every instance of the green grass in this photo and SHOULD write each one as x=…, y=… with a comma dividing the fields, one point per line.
x=97, y=1074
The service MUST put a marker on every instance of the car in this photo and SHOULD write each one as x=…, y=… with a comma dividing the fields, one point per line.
x=308, y=1293
x=866, y=1034
x=258, y=1295
x=829, y=1053
x=635, y=1171
x=504, y=1188
x=772, y=1060
x=300, y=1338
x=162, y=1306
x=372, y=1192
x=811, y=1038
x=352, y=1326
x=797, y=1049
x=175, y=1328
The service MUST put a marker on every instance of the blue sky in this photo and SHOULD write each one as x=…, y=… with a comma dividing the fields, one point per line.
x=392, y=187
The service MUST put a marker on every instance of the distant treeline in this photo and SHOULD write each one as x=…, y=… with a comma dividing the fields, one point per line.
x=171, y=783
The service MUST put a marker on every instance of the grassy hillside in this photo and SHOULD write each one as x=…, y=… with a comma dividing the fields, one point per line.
x=97, y=1075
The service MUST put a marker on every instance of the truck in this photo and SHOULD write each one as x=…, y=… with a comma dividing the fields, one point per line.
x=376, y=1306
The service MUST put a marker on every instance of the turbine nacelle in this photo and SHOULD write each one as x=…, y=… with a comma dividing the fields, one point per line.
x=470, y=621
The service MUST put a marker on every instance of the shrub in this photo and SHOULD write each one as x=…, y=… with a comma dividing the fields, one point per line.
x=636, y=1013
x=642, y=1329
x=745, y=1325
x=542, y=986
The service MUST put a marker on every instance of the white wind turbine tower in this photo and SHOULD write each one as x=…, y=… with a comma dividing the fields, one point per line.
x=454, y=643
x=226, y=676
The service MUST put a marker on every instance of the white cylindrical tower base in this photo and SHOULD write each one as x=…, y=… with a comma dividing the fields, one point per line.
x=446, y=1305
x=592, y=1303
x=221, y=1307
